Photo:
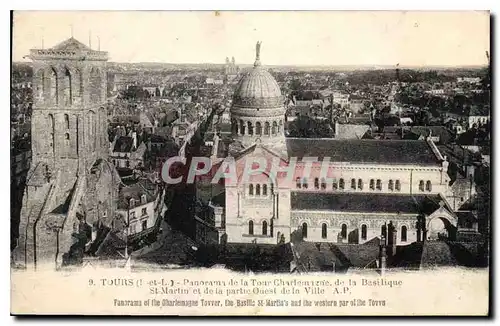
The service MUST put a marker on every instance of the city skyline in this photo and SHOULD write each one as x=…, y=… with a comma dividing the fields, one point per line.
x=298, y=38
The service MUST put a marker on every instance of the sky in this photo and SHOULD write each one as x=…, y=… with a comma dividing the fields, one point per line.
x=288, y=38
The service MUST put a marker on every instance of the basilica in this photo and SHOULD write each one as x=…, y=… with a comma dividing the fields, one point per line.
x=376, y=183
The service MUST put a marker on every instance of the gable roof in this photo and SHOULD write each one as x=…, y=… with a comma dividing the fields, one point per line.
x=123, y=144
x=444, y=134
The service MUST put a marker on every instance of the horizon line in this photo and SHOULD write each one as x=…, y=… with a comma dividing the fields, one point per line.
x=293, y=65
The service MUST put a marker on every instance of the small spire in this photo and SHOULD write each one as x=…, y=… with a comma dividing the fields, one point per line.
x=257, y=54
x=71, y=30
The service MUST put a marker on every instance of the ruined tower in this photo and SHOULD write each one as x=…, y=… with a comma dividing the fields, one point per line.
x=69, y=144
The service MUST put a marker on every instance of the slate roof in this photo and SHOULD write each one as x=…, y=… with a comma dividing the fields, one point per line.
x=477, y=110
x=364, y=150
x=445, y=135
x=364, y=202
x=135, y=191
x=123, y=144
x=219, y=200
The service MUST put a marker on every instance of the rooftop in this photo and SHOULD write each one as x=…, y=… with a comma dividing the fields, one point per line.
x=123, y=144
x=365, y=202
x=135, y=191
x=413, y=152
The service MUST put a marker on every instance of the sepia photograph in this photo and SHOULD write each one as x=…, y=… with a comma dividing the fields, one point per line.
x=250, y=163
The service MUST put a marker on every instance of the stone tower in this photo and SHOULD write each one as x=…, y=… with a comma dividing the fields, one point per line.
x=69, y=117
x=69, y=144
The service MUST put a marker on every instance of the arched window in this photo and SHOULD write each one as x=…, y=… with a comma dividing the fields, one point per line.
x=304, y=183
x=280, y=126
x=363, y=232
x=353, y=184
x=264, y=190
x=341, y=184
x=95, y=85
x=421, y=185
x=258, y=128
x=67, y=87
x=52, y=132
x=66, y=121
x=403, y=233
x=234, y=127
x=334, y=185
x=316, y=183
x=257, y=190
x=298, y=183
x=372, y=184
x=54, y=94
x=384, y=231
x=379, y=184
x=343, y=232
x=40, y=85
x=428, y=186
x=391, y=185
x=323, y=183
x=398, y=185
x=76, y=86
x=266, y=128
x=304, y=230
x=242, y=127
x=264, y=228
x=323, y=231
x=250, y=227
x=250, y=128
x=360, y=184
x=66, y=136
x=275, y=128
x=250, y=189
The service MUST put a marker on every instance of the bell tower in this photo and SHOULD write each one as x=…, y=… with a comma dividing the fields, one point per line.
x=69, y=114
x=71, y=184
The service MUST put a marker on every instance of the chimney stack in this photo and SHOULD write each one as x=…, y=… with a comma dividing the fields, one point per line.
x=382, y=258
x=134, y=140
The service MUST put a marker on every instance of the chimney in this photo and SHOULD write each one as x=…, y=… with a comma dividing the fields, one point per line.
x=392, y=239
x=382, y=258
x=445, y=164
x=134, y=140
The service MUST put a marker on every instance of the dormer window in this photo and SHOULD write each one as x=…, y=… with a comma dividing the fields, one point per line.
x=143, y=199
x=132, y=202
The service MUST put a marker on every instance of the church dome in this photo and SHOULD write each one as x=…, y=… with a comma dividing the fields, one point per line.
x=258, y=112
x=257, y=89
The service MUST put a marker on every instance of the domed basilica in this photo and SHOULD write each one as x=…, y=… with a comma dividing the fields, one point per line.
x=373, y=188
